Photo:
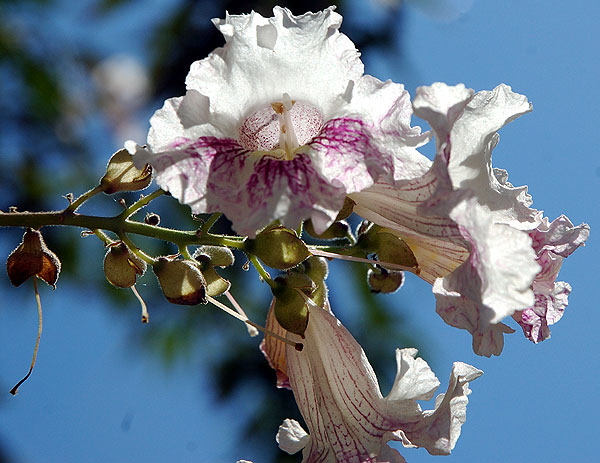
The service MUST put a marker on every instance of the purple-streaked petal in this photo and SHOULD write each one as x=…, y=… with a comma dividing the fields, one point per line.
x=552, y=241
x=345, y=154
x=348, y=418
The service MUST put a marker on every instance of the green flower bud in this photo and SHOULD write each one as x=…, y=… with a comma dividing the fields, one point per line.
x=219, y=256
x=394, y=250
x=181, y=281
x=316, y=269
x=122, y=175
x=384, y=281
x=336, y=230
x=215, y=283
x=290, y=307
x=122, y=267
x=278, y=247
x=32, y=258
x=373, y=239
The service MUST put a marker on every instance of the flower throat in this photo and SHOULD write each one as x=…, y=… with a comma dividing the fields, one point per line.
x=281, y=128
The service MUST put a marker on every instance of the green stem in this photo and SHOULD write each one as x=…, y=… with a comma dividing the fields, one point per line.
x=83, y=198
x=143, y=201
x=261, y=270
x=206, y=226
x=103, y=237
x=117, y=225
x=137, y=251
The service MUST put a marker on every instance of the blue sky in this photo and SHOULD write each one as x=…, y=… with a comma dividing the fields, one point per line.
x=96, y=397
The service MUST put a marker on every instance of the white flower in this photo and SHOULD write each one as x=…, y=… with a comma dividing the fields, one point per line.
x=469, y=229
x=348, y=419
x=278, y=124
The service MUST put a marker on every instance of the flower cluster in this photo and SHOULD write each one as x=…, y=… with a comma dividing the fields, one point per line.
x=282, y=126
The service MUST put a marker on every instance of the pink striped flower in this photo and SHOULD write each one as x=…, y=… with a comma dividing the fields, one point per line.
x=469, y=228
x=278, y=124
x=347, y=417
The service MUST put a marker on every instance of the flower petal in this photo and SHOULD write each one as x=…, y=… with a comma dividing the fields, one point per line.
x=473, y=138
x=348, y=418
x=291, y=437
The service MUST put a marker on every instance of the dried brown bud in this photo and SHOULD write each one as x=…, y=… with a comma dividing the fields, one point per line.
x=278, y=247
x=122, y=267
x=181, y=281
x=33, y=258
x=122, y=175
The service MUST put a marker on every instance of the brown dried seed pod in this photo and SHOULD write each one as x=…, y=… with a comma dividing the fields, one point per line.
x=32, y=258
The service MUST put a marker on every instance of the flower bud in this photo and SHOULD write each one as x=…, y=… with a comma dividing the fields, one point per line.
x=218, y=256
x=32, y=258
x=215, y=283
x=394, y=250
x=208, y=257
x=122, y=175
x=290, y=307
x=122, y=267
x=316, y=269
x=278, y=247
x=336, y=230
x=388, y=247
x=384, y=281
x=181, y=281
x=152, y=218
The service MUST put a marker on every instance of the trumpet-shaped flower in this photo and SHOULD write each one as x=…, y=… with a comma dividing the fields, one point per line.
x=278, y=124
x=474, y=235
x=347, y=417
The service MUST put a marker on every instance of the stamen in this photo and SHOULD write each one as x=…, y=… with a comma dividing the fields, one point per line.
x=389, y=265
x=296, y=345
x=288, y=141
x=145, y=314
x=252, y=331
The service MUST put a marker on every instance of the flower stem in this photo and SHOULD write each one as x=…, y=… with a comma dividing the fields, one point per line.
x=206, y=226
x=261, y=270
x=117, y=225
x=143, y=201
x=137, y=251
x=83, y=198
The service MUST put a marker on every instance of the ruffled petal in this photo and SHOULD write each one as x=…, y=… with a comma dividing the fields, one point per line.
x=226, y=146
x=473, y=139
x=348, y=418
x=501, y=266
x=439, y=431
x=552, y=241
x=305, y=56
x=466, y=225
